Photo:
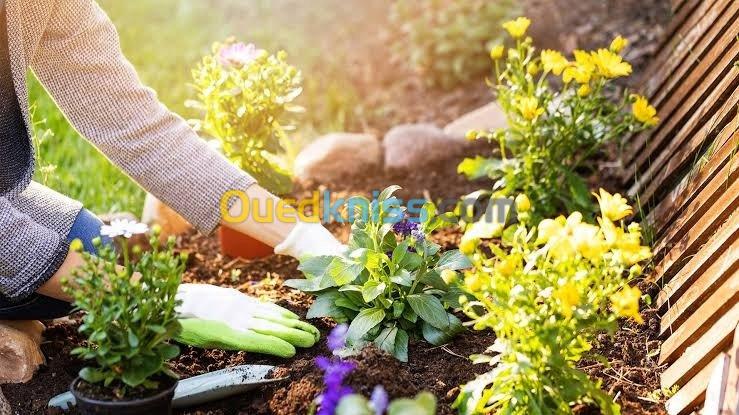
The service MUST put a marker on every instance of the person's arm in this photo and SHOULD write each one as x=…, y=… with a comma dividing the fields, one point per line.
x=30, y=254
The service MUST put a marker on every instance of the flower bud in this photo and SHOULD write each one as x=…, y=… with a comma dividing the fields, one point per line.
x=449, y=276
x=471, y=135
x=497, y=52
x=635, y=270
x=156, y=230
x=523, y=204
x=76, y=245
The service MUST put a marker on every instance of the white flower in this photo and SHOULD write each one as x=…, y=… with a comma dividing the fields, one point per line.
x=123, y=227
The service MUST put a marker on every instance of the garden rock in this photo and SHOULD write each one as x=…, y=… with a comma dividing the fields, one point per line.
x=334, y=155
x=4, y=405
x=410, y=145
x=156, y=212
x=20, y=352
x=489, y=117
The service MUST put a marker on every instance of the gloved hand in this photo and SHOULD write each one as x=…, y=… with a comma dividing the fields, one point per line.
x=310, y=239
x=224, y=318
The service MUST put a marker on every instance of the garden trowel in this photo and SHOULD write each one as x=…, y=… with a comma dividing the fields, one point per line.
x=204, y=388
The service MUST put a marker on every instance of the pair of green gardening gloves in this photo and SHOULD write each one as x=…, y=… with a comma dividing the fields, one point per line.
x=223, y=318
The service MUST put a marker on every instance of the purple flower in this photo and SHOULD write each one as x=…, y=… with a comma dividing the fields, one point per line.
x=405, y=227
x=237, y=54
x=418, y=235
x=334, y=372
x=379, y=400
x=337, y=338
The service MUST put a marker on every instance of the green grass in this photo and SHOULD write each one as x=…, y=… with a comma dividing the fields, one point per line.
x=164, y=39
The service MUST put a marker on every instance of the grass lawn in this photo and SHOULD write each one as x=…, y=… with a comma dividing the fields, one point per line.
x=164, y=39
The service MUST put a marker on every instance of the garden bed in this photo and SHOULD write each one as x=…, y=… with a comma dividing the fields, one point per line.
x=631, y=375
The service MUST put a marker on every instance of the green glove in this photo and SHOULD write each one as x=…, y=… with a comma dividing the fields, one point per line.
x=217, y=317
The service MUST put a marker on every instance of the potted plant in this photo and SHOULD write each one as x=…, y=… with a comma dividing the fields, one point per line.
x=245, y=95
x=129, y=319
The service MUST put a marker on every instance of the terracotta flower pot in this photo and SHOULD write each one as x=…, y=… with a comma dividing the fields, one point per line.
x=237, y=245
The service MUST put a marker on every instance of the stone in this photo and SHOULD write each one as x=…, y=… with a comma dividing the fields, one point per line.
x=4, y=405
x=335, y=155
x=411, y=145
x=20, y=351
x=156, y=212
x=489, y=117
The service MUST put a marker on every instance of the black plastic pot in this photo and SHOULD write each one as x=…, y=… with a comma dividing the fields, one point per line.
x=161, y=403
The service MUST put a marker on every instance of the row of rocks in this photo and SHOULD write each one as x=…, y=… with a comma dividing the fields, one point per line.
x=404, y=147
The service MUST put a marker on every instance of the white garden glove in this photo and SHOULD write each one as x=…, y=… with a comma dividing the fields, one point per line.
x=310, y=239
x=225, y=318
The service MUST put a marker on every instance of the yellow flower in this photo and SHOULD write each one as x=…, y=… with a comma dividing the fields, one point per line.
x=568, y=296
x=578, y=73
x=532, y=69
x=553, y=61
x=508, y=266
x=547, y=229
x=471, y=135
x=644, y=112
x=523, y=204
x=529, y=108
x=631, y=255
x=634, y=227
x=497, y=52
x=609, y=64
x=619, y=43
x=584, y=90
x=468, y=246
x=449, y=276
x=517, y=28
x=625, y=303
x=474, y=281
x=614, y=207
x=589, y=241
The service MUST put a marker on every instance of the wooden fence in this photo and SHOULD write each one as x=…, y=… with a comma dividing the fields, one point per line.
x=684, y=174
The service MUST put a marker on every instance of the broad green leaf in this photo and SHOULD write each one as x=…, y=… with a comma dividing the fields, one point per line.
x=354, y=404
x=315, y=266
x=343, y=271
x=387, y=192
x=365, y=321
x=430, y=309
x=346, y=303
x=91, y=375
x=423, y=404
x=403, y=278
x=133, y=340
x=310, y=285
x=433, y=279
x=478, y=167
x=325, y=305
x=372, y=290
x=401, y=345
x=169, y=351
x=438, y=337
x=453, y=260
x=400, y=251
x=411, y=261
x=386, y=339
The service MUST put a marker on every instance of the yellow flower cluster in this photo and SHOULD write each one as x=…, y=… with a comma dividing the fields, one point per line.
x=625, y=303
x=529, y=108
x=644, y=112
x=517, y=28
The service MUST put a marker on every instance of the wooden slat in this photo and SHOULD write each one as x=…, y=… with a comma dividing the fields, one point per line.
x=679, y=251
x=731, y=399
x=692, y=394
x=699, y=320
x=705, y=349
x=716, y=383
x=714, y=203
x=705, y=124
x=692, y=184
x=697, y=53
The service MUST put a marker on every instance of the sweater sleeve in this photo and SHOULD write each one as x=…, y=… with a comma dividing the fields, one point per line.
x=79, y=60
x=29, y=252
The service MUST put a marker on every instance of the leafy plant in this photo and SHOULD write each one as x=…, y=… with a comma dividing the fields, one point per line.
x=547, y=291
x=129, y=311
x=389, y=284
x=246, y=94
x=447, y=41
x=554, y=129
x=340, y=399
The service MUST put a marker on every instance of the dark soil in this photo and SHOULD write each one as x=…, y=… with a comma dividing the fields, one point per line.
x=99, y=392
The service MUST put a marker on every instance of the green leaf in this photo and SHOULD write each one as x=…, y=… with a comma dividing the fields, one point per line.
x=438, y=337
x=430, y=309
x=401, y=345
x=354, y=404
x=325, y=305
x=411, y=261
x=133, y=341
x=385, y=194
x=315, y=266
x=169, y=351
x=365, y=321
x=344, y=272
x=478, y=167
x=423, y=404
x=453, y=260
x=579, y=191
x=403, y=278
x=400, y=251
x=91, y=375
x=386, y=339
x=372, y=290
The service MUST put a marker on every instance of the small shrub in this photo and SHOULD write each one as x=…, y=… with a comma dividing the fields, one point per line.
x=547, y=291
x=389, y=284
x=554, y=131
x=246, y=95
x=129, y=312
x=447, y=42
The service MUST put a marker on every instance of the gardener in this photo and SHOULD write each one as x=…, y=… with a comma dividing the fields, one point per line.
x=73, y=49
